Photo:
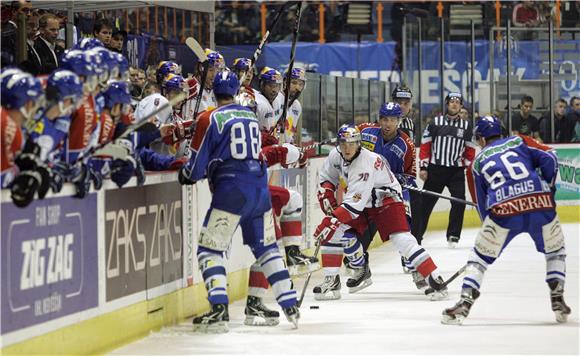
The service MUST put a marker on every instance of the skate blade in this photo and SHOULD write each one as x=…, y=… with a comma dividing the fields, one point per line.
x=363, y=285
x=452, y=245
x=436, y=296
x=449, y=320
x=293, y=320
x=260, y=321
x=334, y=295
x=561, y=317
x=216, y=328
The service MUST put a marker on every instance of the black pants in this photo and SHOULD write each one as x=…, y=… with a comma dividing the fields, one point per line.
x=438, y=178
x=416, y=215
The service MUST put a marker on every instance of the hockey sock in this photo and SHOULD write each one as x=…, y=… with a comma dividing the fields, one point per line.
x=476, y=267
x=273, y=267
x=416, y=255
x=257, y=283
x=556, y=266
x=331, y=258
x=353, y=250
x=211, y=264
x=291, y=220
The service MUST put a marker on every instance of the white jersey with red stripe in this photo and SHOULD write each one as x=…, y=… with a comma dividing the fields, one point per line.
x=268, y=113
x=367, y=180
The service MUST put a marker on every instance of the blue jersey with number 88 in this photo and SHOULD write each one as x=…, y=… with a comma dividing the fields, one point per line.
x=226, y=139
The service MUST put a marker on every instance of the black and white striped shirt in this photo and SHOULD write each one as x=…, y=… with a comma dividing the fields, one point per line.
x=408, y=127
x=447, y=142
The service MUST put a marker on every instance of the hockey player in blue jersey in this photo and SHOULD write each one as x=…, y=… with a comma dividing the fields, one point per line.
x=226, y=150
x=514, y=184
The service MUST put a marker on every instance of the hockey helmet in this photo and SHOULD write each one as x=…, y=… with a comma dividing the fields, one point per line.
x=226, y=83
x=401, y=93
x=487, y=126
x=348, y=133
x=63, y=84
x=270, y=75
x=242, y=64
x=454, y=95
x=390, y=110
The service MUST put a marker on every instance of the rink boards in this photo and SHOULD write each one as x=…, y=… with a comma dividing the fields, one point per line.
x=86, y=276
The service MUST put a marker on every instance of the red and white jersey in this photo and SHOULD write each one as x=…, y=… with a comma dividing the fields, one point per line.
x=11, y=142
x=367, y=180
x=208, y=101
x=268, y=113
x=152, y=103
x=292, y=117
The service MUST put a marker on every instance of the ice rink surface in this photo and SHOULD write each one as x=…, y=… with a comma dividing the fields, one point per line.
x=391, y=316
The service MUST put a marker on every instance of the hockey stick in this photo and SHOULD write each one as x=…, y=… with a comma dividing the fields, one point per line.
x=258, y=50
x=299, y=303
x=130, y=129
x=449, y=280
x=281, y=124
x=428, y=192
x=201, y=56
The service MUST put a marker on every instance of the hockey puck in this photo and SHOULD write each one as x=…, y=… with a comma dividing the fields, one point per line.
x=314, y=307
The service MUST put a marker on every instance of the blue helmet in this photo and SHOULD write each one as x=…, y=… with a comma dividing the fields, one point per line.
x=164, y=69
x=390, y=110
x=270, y=75
x=110, y=62
x=63, y=84
x=348, y=133
x=298, y=73
x=242, y=64
x=8, y=72
x=215, y=58
x=487, y=126
x=174, y=82
x=454, y=95
x=88, y=43
x=226, y=83
x=117, y=93
x=123, y=66
x=18, y=89
x=101, y=68
x=80, y=63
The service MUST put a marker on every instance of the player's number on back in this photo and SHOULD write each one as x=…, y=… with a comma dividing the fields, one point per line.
x=239, y=140
x=516, y=170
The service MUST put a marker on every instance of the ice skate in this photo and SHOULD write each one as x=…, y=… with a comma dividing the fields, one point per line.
x=457, y=313
x=215, y=321
x=406, y=269
x=436, y=290
x=452, y=241
x=349, y=270
x=257, y=314
x=360, y=279
x=298, y=263
x=292, y=314
x=561, y=310
x=419, y=281
x=329, y=289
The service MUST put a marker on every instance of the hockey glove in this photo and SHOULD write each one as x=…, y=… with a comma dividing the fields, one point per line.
x=82, y=180
x=44, y=182
x=122, y=170
x=184, y=176
x=402, y=178
x=326, y=198
x=58, y=176
x=28, y=158
x=139, y=171
x=303, y=160
x=326, y=229
x=97, y=178
x=23, y=188
x=178, y=163
x=274, y=154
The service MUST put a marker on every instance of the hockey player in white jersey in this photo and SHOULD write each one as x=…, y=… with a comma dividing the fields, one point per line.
x=373, y=194
x=216, y=65
x=269, y=101
x=297, y=84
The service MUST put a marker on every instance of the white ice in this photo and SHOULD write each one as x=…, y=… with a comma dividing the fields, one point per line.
x=391, y=316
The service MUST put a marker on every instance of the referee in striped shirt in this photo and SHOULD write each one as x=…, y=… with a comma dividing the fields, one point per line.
x=446, y=150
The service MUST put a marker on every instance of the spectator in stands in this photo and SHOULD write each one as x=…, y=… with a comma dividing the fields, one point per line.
x=9, y=17
x=523, y=122
x=151, y=73
x=570, y=13
x=62, y=32
x=102, y=30
x=526, y=14
x=574, y=115
x=32, y=63
x=45, y=44
x=563, y=125
x=117, y=41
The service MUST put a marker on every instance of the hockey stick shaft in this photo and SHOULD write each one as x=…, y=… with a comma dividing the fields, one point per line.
x=282, y=120
x=308, y=278
x=454, y=276
x=435, y=194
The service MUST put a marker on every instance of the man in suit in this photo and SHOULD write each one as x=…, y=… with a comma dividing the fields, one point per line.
x=45, y=44
x=32, y=64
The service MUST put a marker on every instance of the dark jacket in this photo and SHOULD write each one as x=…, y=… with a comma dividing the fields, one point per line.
x=47, y=58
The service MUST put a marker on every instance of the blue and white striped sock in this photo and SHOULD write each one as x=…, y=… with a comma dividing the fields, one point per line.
x=211, y=264
x=278, y=277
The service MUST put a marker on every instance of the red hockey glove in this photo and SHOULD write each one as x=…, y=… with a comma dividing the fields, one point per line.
x=326, y=229
x=176, y=132
x=274, y=154
x=178, y=163
x=268, y=139
x=326, y=198
x=303, y=160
